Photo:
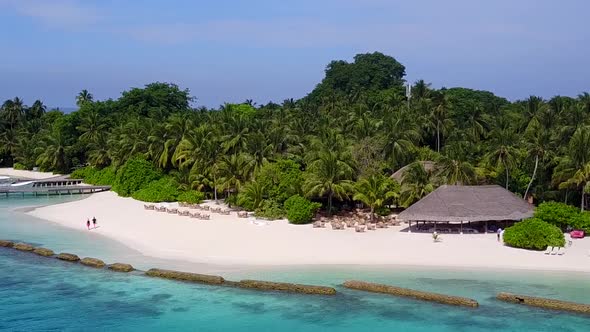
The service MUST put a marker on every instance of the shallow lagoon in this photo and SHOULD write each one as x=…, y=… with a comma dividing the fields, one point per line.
x=46, y=294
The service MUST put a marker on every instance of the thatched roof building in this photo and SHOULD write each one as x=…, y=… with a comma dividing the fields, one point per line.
x=468, y=203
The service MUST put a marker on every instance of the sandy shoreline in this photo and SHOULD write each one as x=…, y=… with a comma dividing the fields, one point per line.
x=13, y=173
x=229, y=240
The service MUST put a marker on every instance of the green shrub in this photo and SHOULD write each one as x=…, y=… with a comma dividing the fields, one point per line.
x=191, y=196
x=20, y=167
x=281, y=179
x=555, y=213
x=84, y=173
x=270, y=209
x=300, y=210
x=104, y=177
x=533, y=234
x=136, y=174
x=92, y=175
x=581, y=221
x=162, y=190
x=383, y=211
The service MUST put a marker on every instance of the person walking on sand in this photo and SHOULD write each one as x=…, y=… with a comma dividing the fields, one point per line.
x=499, y=232
x=88, y=223
x=94, y=221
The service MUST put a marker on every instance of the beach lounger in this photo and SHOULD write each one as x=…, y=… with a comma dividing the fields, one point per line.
x=371, y=227
x=242, y=214
x=554, y=251
x=205, y=217
x=360, y=229
x=380, y=225
x=561, y=251
x=205, y=207
x=548, y=250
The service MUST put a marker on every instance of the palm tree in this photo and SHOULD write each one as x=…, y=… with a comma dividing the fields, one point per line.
x=251, y=195
x=234, y=171
x=537, y=143
x=581, y=179
x=91, y=126
x=12, y=112
x=84, y=97
x=98, y=152
x=439, y=117
x=455, y=172
x=53, y=152
x=329, y=174
x=416, y=183
x=36, y=111
x=503, y=152
x=400, y=136
x=375, y=191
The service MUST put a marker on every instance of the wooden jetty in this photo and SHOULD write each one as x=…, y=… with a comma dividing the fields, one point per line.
x=54, y=186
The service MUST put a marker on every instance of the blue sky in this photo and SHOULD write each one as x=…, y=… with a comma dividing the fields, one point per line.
x=228, y=51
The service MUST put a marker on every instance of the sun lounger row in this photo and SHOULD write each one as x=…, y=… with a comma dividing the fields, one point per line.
x=555, y=251
x=337, y=225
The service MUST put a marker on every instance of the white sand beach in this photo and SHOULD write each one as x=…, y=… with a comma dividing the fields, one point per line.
x=227, y=239
x=19, y=174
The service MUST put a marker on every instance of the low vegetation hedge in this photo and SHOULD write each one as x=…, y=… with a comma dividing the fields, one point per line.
x=134, y=175
x=563, y=216
x=270, y=209
x=556, y=213
x=92, y=175
x=300, y=210
x=191, y=196
x=534, y=234
x=162, y=190
x=20, y=167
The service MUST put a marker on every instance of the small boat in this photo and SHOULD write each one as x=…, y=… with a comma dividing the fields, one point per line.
x=6, y=181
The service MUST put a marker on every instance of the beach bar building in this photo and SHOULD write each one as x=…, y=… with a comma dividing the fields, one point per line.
x=451, y=207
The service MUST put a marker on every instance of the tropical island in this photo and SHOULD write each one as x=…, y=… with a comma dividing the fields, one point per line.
x=362, y=143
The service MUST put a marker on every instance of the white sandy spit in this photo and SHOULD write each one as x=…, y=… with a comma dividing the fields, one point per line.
x=13, y=173
x=227, y=239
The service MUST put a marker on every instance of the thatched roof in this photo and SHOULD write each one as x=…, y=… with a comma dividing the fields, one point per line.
x=399, y=174
x=468, y=203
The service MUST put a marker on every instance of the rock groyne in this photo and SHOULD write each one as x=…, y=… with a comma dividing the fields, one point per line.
x=68, y=257
x=23, y=247
x=92, y=262
x=545, y=303
x=286, y=287
x=405, y=292
x=6, y=243
x=121, y=267
x=43, y=252
x=186, y=276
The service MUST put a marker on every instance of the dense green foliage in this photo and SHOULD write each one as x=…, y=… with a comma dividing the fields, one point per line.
x=533, y=234
x=355, y=124
x=300, y=210
x=134, y=175
x=191, y=196
x=19, y=166
x=162, y=190
x=563, y=216
x=555, y=213
x=270, y=209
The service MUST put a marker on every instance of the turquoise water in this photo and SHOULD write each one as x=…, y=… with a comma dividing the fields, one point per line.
x=40, y=294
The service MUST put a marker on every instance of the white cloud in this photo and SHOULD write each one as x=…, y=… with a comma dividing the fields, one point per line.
x=57, y=13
